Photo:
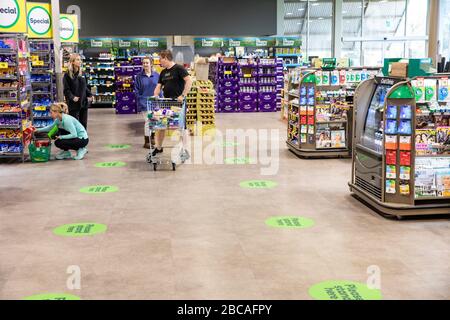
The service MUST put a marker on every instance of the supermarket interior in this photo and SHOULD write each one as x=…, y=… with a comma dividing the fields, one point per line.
x=254, y=149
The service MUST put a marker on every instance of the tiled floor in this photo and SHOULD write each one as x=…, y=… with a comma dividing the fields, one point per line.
x=195, y=233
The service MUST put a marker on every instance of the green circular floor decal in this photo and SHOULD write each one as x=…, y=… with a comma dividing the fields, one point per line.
x=229, y=144
x=238, y=160
x=99, y=189
x=289, y=222
x=80, y=229
x=258, y=184
x=53, y=296
x=114, y=164
x=118, y=146
x=343, y=290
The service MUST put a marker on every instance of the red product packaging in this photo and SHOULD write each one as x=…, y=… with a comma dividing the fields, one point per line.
x=310, y=119
x=405, y=158
x=391, y=157
x=303, y=120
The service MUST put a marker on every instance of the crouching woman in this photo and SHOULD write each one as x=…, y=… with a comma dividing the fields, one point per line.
x=71, y=134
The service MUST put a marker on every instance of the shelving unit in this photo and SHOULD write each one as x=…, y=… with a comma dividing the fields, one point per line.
x=125, y=72
x=227, y=85
x=15, y=124
x=267, y=85
x=99, y=69
x=401, y=158
x=43, y=81
x=320, y=117
x=248, y=86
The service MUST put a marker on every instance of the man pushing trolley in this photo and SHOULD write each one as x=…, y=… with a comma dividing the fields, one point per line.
x=169, y=113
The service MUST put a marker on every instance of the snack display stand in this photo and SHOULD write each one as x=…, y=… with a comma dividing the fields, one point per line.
x=320, y=116
x=393, y=170
x=15, y=95
x=43, y=81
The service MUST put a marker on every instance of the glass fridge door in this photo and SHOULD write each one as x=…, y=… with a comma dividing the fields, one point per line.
x=373, y=129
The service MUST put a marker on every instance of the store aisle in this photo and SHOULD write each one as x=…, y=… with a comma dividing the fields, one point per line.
x=197, y=234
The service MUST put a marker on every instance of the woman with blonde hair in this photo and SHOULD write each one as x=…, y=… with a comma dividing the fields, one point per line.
x=76, y=92
x=71, y=134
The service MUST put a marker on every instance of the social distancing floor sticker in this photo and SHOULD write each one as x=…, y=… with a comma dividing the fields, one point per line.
x=118, y=146
x=258, y=184
x=53, y=296
x=294, y=222
x=343, y=290
x=80, y=229
x=99, y=189
x=111, y=164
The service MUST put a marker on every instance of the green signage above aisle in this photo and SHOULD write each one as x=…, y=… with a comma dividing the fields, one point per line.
x=160, y=43
x=124, y=43
x=289, y=222
x=247, y=42
x=343, y=290
x=288, y=42
x=53, y=296
x=96, y=43
x=208, y=42
x=80, y=229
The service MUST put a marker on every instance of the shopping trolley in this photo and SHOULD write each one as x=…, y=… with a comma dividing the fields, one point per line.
x=170, y=115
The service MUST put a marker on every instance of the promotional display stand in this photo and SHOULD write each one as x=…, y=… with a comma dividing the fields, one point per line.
x=319, y=120
x=15, y=89
x=125, y=72
x=401, y=160
x=43, y=81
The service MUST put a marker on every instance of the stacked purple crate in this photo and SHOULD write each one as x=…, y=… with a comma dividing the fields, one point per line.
x=126, y=100
x=280, y=81
x=267, y=96
x=227, y=85
x=248, y=86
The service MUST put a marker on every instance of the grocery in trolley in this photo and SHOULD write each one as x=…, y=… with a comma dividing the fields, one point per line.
x=170, y=115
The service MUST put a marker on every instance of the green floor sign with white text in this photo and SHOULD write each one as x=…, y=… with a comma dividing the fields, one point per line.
x=343, y=290
x=53, y=296
x=113, y=164
x=80, y=229
x=258, y=184
x=99, y=189
x=118, y=146
x=289, y=222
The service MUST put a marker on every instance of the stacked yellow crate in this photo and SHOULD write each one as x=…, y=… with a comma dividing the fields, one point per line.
x=206, y=108
x=191, y=114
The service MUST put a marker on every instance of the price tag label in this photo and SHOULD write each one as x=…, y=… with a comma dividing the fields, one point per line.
x=247, y=75
x=227, y=72
x=38, y=63
x=3, y=65
x=40, y=108
x=126, y=85
x=34, y=58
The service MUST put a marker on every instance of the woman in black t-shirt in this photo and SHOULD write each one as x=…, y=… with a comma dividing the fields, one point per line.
x=175, y=83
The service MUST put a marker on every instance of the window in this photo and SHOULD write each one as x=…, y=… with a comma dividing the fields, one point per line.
x=366, y=22
x=444, y=28
x=316, y=32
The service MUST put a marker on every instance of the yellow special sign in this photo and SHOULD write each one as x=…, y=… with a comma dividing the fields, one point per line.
x=39, y=20
x=68, y=26
x=13, y=16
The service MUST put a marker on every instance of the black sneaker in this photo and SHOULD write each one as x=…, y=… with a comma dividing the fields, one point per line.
x=156, y=151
